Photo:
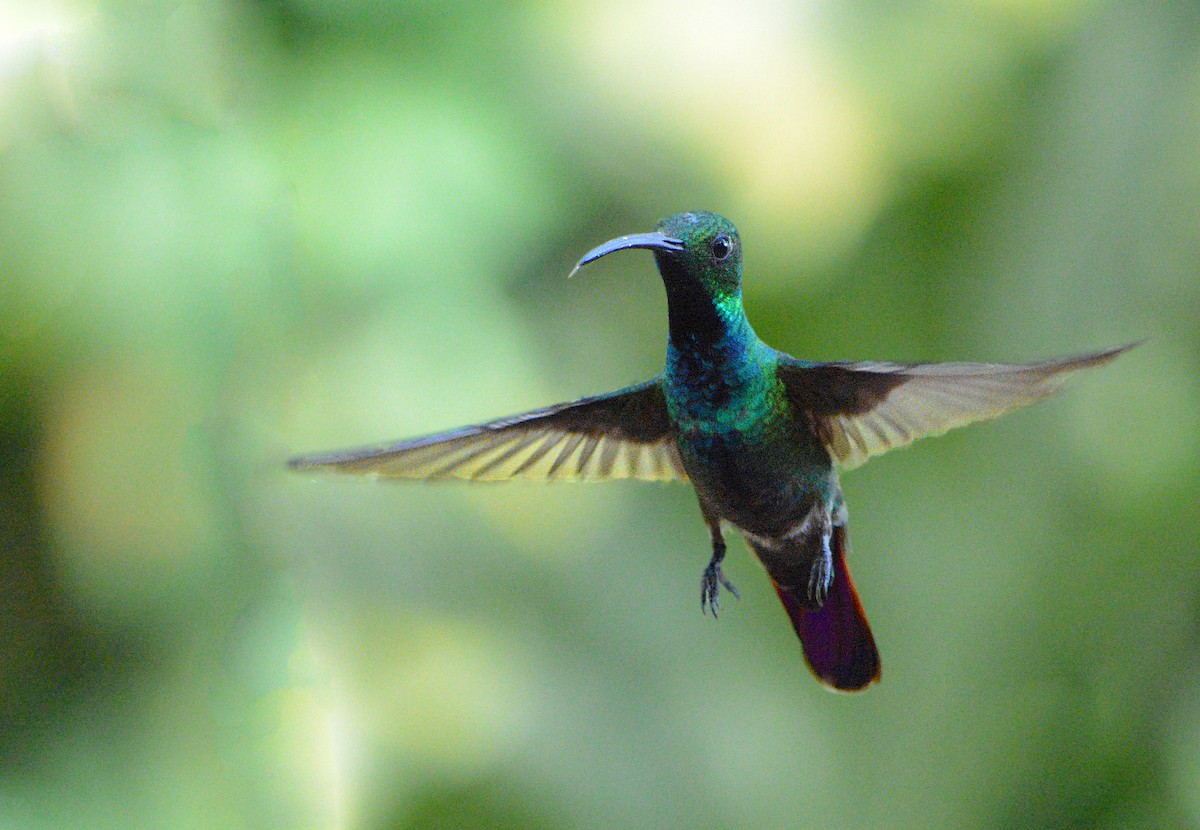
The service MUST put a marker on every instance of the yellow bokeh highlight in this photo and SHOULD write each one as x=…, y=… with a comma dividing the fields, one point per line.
x=121, y=476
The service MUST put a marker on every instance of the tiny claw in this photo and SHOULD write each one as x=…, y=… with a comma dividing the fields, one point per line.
x=819, y=580
x=710, y=588
x=728, y=585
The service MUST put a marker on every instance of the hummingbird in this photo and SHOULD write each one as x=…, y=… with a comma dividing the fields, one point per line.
x=760, y=435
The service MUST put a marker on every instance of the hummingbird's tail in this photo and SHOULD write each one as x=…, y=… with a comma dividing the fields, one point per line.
x=837, y=640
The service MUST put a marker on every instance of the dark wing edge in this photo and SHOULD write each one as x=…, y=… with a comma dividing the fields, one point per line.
x=863, y=409
x=624, y=434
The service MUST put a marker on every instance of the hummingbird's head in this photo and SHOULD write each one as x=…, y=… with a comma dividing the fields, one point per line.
x=695, y=250
x=710, y=254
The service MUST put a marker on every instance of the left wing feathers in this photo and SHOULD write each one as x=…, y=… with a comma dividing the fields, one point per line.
x=862, y=409
x=625, y=434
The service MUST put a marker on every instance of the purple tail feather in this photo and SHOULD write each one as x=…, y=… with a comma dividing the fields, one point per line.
x=837, y=640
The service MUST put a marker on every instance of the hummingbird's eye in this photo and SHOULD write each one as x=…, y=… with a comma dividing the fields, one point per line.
x=722, y=247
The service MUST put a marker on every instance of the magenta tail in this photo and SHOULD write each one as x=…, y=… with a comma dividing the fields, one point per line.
x=837, y=640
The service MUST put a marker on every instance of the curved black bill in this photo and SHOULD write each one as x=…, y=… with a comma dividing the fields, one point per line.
x=656, y=241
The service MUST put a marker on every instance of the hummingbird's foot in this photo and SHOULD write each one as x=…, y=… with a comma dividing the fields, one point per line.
x=710, y=587
x=821, y=576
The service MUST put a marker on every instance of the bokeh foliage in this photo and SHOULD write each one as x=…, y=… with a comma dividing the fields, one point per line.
x=232, y=231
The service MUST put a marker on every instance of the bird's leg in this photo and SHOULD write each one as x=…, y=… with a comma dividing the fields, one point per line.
x=714, y=578
x=820, y=575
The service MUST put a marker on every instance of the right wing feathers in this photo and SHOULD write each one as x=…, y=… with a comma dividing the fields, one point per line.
x=625, y=434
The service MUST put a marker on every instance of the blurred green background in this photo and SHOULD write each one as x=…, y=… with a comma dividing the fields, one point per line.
x=233, y=231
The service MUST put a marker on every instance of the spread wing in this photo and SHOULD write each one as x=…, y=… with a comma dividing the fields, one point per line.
x=863, y=409
x=625, y=434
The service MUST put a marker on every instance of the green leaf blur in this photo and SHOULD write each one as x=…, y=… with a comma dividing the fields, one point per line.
x=231, y=232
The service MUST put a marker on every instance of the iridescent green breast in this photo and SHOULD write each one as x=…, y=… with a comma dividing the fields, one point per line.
x=717, y=395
